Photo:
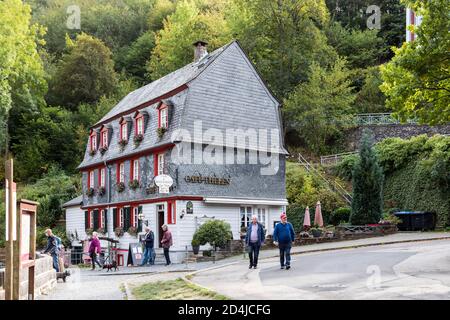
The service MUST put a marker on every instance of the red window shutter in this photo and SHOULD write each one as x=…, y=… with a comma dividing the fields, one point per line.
x=159, y=118
x=100, y=177
x=118, y=172
x=131, y=169
x=89, y=179
x=174, y=212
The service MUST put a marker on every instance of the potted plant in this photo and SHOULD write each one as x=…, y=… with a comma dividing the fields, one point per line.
x=195, y=245
x=101, y=191
x=101, y=230
x=89, y=231
x=103, y=150
x=123, y=143
x=160, y=132
x=138, y=139
x=92, y=153
x=118, y=231
x=132, y=231
x=120, y=186
x=133, y=184
x=90, y=192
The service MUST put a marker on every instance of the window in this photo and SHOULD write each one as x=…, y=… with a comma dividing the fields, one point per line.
x=160, y=163
x=102, y=177
x=171, y=212
x=102, y=218
x=135, y=216
x=139, y=125
x=91, y=179
x=91, y=219
x=246, y=216
x=262, y=216
x=135, y=169
x=121, y=217
x=123, y=131
x=122, y=172
x=93, y=141
x=104, y=138
x=163, y=118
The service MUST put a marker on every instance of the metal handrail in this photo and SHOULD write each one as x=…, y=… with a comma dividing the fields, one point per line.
x=379, y=119
x=332, y=185
x=335, y=158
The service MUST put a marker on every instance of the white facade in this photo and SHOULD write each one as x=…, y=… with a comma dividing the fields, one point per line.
x=411, y=19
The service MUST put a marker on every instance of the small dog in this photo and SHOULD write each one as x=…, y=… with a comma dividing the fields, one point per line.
x=62, y=275
x=111, y=266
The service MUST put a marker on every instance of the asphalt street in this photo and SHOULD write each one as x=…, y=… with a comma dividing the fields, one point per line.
x=415, y=270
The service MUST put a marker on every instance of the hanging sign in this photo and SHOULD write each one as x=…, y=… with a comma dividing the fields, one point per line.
x=164, y=182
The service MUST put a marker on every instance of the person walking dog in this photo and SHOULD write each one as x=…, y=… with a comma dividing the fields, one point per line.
x=283, y=236
x=52, y=248
x=166, y=243
x=94, y=250
x=149, y=243
x=254, y=239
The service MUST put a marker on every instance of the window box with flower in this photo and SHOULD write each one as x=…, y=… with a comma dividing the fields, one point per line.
x=134, y=184
x=160, y=131
x=90, y=192
x=118, y=231
x=92, y=152
x=138, y=139
x=123, y=143
x=132, y=231
x=103, y=150
x=101, y=191
x=101, y=231
x=120, y=186
x=89, y=231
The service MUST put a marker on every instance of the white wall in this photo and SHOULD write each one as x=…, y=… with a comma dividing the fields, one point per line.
x=75, y=222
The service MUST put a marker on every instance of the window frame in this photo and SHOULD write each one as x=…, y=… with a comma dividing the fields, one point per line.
x=121, y=172
x=102, y=177
x=91, y=177
x=93, y=141
x=139, y=125
x=134, y=169
x=124, y=127
x=91, y=219
x=160, y=164
x=121, y=219
x=163, y=114
x=104, y=138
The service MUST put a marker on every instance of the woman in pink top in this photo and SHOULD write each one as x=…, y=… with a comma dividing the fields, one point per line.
x=94, y=250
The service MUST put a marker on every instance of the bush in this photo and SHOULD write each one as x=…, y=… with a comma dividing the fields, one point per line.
x=214, y=232
x=340, y=215
x=345, y=167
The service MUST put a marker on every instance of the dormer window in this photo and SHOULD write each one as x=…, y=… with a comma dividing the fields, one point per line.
x=123, y=131
x=139, y=125
x=93, y=141
x=104, y=138
x=163, y=119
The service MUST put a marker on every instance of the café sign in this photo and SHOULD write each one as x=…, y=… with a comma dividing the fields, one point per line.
x=208, y=180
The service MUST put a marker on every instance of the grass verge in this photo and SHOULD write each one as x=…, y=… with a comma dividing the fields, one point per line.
x=177, y=289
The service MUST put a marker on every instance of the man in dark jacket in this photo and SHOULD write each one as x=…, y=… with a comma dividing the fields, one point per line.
x=149, y=243
x=52, y=248
x=283, y=236
x=254, y=239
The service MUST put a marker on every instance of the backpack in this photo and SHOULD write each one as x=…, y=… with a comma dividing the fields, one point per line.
x=58, y=244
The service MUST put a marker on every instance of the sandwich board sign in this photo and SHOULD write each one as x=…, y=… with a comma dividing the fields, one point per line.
x=164, y=182
x=135, y=254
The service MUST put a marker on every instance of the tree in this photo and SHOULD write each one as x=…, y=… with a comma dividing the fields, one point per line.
x=214, y=232
x=191, y=21
x=22, y=81
x=319, y=108
x=369, y=98
x=367, y=181
x=160, y=11
x=417, y=80
x=282, y=38
x=85, y=73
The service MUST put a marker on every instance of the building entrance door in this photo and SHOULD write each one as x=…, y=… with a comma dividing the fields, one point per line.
x=160, y=214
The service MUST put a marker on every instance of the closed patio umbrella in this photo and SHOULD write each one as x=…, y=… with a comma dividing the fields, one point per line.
x=318, y=219
x=307, y=219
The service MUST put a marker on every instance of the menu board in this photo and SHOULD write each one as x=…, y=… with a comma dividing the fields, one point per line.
x=135, y=254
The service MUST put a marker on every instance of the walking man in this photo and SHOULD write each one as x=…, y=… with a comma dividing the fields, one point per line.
x=94, y=250
x=166, y=243
x=283, y=236
x=254, y=239
x=52, y=248
x=149, y=242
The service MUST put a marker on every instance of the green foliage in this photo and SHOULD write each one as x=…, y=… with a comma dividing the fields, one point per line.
x=51, y=192
x=84, y=74
x=345, y=167
x=2, y=222
x=189, y=23
x=367, y=181
x=304, y=189
x=282, y=38
x=416, y=80
x=214, y=232
x=320, y=108
x=369, y=98
x=160, y=11
x=340, y=215
x=22, y=82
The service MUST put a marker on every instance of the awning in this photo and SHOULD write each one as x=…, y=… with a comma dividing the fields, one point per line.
x=245, y=201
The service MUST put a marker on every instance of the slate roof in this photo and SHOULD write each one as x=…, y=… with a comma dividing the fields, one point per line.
x=75, y=202
x=162, y=86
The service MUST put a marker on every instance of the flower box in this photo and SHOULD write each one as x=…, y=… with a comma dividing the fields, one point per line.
x=134, y=184
x=90, y=192
x=120, y=187
x=160, y=132
x=138, y=139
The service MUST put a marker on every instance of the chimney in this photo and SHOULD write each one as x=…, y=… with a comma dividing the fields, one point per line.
x=200, y=50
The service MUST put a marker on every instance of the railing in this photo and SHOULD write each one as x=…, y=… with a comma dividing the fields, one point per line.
x=332, y=185
x=367, y=119
x=334, y=159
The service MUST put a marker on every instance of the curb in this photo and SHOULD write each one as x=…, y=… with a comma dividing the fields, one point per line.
x=144, y=272
x=128, y=294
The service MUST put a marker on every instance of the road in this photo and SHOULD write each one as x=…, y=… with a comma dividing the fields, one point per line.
x=414, y=270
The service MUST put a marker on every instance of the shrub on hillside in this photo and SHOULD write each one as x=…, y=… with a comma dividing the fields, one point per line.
x=340, y=215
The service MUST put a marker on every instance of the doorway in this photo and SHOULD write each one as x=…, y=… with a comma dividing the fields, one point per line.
x=160, y=221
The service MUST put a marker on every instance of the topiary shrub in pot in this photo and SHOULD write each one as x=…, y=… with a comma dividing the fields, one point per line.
x=215, y=232
x=195, y=245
